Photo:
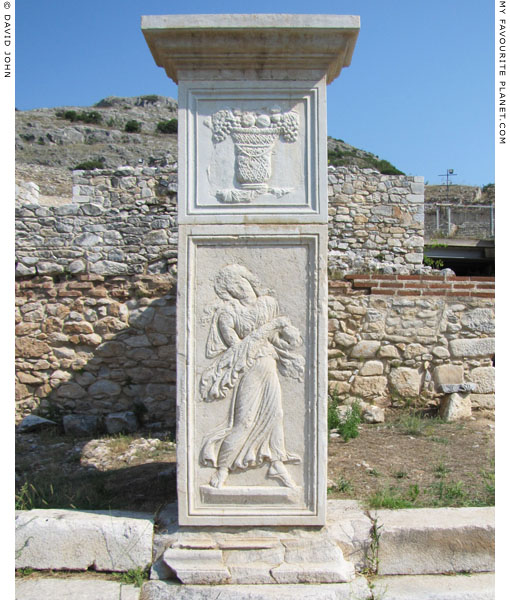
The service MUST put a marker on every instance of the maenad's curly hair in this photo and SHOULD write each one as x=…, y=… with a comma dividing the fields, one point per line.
x=229, y=274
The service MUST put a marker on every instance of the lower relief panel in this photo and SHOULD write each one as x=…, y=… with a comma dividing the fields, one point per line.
x=252, y=376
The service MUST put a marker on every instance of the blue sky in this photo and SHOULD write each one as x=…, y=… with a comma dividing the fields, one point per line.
x=419, y=92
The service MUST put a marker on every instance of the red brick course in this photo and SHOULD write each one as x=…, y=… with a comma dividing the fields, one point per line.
x=416, y=285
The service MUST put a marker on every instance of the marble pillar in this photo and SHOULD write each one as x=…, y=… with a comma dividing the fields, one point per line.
x=252, y=289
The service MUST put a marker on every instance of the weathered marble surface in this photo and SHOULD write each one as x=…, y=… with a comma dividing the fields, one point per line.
x=253, y=382
x=263, y=554
x=68, y=539
x=427, y=540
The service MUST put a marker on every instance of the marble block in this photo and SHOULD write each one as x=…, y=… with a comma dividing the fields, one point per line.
x=252, y=375
x=252, y=151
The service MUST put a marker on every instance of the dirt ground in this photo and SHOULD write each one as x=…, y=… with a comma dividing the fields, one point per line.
x=415, y=461
x=407, y=461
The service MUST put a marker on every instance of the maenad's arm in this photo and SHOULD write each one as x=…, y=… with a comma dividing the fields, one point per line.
x=227, y=331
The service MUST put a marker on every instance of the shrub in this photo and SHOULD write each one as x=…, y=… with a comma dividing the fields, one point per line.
x=133, y=126
x=348, y=429
x=167, y=126
x=150, y=98
x=333, y=402
x=85, y=117
x=90, y=165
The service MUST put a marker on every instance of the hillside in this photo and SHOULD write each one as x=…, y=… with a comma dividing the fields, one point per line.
x=50, y=142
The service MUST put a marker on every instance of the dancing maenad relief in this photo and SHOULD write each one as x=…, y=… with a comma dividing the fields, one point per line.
x=250, y=343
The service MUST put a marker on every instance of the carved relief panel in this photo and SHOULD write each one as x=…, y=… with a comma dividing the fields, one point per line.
x=252, y=152
x=255, y=440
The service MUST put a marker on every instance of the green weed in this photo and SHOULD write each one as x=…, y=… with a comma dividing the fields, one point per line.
x=333, y=402
x=440, y=470
x=134, y=577
x=394, y=498
x=349, y=429
x=24, y=572
x=411, y=423
x=341, y=485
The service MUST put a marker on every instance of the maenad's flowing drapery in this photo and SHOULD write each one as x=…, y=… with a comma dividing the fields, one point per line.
x=254, y=431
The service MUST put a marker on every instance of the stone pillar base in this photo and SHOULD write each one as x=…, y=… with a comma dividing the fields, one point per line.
x=261, y=556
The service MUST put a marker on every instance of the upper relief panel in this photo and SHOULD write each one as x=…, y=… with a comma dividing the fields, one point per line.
x=254, y=153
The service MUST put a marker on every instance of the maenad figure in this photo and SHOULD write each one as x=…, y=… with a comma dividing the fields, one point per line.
x=249, y=341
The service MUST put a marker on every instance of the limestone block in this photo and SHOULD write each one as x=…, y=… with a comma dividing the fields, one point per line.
x=448, y=374
x=441, y=352
x=342, y=387
x=344, y=340
x=456, y=388
x=454, y=407
x=67, y=539
x=373, y=414
x=162, y=590
x=483, y=401
x=480, y=320
x=484, y=378
x=313, y=560
x=349, y=526
x=311, y=573
x=405, y=381
x=365, y=349
x=368, y=386
x=81, y=425
x=388, y=352
x=72, y=589
x=34, y=423
x=29, y=348
x=480, y=586
x=121, y=422
x=441, y=540
x=253, y=566
x=471, y=348
x=104, y=388
x=197, y=566
x=372, y=367
x=71, y=390
x=414, y=350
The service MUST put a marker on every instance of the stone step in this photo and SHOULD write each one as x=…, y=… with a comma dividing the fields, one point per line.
x=74, y=589
x=61, y=539
x=479, y=586
x=165, y=590
x=430, y=540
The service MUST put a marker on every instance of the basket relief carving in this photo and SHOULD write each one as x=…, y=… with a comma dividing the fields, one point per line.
x=254, y=136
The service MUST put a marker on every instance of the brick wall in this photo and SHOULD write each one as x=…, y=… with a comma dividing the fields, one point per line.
x=420, y=285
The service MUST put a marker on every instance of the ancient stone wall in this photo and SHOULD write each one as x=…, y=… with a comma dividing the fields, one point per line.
x=376, y=221
x=124, y=222
x=119, y=222
x=95, y=301
x=95, y=345
x=396, y=338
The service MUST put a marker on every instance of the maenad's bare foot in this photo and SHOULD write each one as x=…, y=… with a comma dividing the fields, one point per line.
x=278, y=471
x=219, y=478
